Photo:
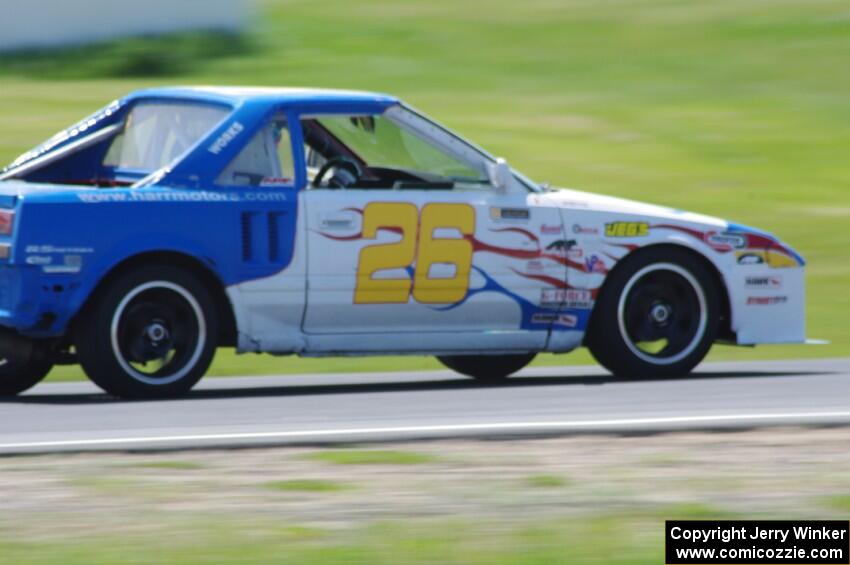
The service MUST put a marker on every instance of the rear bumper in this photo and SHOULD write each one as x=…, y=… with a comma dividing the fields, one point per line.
x=32, y=304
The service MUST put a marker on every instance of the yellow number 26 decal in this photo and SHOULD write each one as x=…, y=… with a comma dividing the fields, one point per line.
x=420, y=244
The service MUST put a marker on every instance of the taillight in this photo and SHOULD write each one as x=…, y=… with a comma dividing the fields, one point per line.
x=7, y=220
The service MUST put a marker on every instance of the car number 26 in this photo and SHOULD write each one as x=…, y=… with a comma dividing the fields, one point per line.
x=418, y=245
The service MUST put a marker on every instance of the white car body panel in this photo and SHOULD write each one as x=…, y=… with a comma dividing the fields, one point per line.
x=537, y=263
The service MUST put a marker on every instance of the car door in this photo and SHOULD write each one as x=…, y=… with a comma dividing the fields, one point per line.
x=420, y=260
x=428, y=258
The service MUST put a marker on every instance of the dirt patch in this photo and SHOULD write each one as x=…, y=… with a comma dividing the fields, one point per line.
x=777, y=472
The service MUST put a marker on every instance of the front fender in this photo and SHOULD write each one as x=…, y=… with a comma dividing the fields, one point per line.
x=760, y=312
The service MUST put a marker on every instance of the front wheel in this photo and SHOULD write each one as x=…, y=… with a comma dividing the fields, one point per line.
x=486, y=367
x=151, y=333
x=657, y=317
x=23, y=363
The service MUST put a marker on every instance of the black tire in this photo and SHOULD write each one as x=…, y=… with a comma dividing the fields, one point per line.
x=486, y=367
x=23, y=363
x=158, y=314
x=657, y=317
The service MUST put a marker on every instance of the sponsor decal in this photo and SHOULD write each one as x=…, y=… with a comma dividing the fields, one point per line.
x=226, y=138
x=766, y=300
x=771, y=281
x=39, y=260
x=105, y=196
x=626, y=229
x=564, y=320
x=567, y=297
x=750, y=259
x=69, y=264
x=595, y=265
x=542, y=318
x=550, y=230
x=583, y=230
x=61, y=269
x=73, y=260
x=534, y=266
x=566, y=247
x=561, y=245
x=45, y=249
x=725, y=241
x=273, y=181
x=513, y=213
x=509, y=213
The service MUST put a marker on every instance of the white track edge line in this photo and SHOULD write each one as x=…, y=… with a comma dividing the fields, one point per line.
x=502, y=426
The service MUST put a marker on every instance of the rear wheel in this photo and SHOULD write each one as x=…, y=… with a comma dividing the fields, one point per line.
x=23, y=363
x=486, y=367
x=150, y=334
x=657, y=317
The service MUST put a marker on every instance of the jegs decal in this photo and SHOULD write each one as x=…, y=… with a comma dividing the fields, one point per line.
x=626, y=229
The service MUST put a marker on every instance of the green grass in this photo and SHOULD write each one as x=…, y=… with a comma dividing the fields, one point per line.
x=372, y=457
x=840, y=502
x=547, y=481
x=735, y=109
x=168, y=465
x=600, y=539
x=628, y=538
x=307, y=485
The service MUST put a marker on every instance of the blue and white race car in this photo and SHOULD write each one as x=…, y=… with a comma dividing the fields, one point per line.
x=326, y=223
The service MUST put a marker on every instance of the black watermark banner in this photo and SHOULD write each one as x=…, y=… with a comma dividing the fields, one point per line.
x=757, y=542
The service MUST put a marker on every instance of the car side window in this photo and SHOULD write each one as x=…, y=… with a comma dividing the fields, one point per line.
x=265, y=161
x=156, y=133
x=373, y=152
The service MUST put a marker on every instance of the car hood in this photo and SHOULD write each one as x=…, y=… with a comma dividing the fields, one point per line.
x=578, y=200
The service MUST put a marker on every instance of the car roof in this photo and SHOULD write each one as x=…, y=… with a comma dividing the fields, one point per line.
x=237, y=96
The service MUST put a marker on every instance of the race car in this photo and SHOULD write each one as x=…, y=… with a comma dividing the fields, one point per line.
x=334, y=223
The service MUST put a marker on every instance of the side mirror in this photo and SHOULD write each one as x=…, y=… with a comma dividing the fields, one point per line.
x=500, y=174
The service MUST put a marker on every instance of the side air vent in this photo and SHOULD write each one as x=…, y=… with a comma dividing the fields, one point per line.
x=247, y=243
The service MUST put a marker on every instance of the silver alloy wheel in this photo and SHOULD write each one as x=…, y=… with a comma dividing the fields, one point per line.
x=662, y=313
x=201, y=338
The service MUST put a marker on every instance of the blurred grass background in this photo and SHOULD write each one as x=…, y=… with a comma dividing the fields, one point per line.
x=593, y=499
x=730, y=108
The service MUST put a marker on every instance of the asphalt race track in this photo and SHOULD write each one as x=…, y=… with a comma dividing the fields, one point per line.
x=234, y=412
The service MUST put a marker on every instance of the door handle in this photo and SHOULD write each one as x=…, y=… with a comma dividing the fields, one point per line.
x=337, y=222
